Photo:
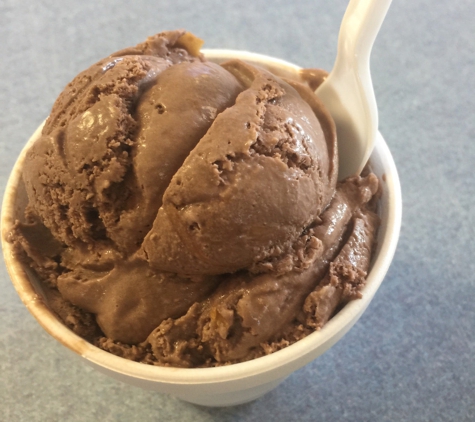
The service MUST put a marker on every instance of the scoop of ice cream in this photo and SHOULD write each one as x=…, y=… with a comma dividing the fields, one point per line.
x=246, y=311
x=116, y=136
x=262, y=174
x=205, y=153
x=191, y=207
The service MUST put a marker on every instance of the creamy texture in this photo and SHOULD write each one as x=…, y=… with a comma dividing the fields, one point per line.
x=261, y=174
x=246, y=311
x=191, y=210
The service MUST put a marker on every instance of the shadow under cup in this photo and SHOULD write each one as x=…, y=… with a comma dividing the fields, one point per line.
x=226, y=385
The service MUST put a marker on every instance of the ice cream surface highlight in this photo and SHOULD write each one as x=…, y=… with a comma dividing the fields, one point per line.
x=186, y=213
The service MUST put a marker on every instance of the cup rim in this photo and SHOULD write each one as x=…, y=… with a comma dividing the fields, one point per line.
x=296, y=355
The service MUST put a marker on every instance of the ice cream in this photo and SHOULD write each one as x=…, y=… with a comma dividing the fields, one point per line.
x=187, y=213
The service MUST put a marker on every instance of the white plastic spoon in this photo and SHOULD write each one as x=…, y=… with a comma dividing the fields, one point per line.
x=348, y=91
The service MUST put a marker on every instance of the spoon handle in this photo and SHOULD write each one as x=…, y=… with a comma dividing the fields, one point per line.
x=362, y=21
x=355, y=113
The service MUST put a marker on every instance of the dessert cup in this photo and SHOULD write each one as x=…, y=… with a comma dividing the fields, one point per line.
x=225, y=385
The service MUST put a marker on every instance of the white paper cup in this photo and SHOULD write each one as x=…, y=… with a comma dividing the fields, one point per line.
x=227, y=385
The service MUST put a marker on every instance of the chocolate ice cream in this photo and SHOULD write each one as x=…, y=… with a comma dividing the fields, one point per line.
x=187, y=213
